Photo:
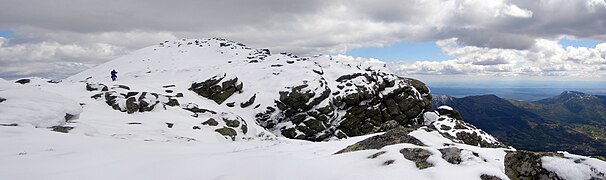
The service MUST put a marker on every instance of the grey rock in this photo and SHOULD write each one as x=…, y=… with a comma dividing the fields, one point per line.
x=217, y=88
x=525, y=165
x=489, y=177
x=22, y=81
x=451, y=155
x=229, y=132
x=210, y=122
x=62, y=129
x=250, y=101
x=418, y=156
x=395, y=136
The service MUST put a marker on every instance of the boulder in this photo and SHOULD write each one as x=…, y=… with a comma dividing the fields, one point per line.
x=62, y=129
x=210, y=122
x=418, y=156
x=229, y=132
x=451, y=155
x=249, y=102
x=23, y=81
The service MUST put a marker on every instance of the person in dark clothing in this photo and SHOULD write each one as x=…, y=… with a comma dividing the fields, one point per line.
x=114, y=75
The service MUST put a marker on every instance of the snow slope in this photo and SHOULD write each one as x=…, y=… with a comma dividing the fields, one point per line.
x=32, y=106
x=109, y=139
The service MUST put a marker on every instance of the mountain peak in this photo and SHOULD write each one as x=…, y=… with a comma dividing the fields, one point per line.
x=568, y=96
x=573, y=93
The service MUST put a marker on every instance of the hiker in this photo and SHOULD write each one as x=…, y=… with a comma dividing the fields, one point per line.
x=114, y=75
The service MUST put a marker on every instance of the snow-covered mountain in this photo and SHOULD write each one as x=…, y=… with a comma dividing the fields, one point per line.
x=217, y=109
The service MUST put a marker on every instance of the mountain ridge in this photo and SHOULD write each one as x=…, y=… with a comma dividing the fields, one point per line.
x=571, y=121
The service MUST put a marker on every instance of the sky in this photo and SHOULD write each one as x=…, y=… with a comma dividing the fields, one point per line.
x=432, y=40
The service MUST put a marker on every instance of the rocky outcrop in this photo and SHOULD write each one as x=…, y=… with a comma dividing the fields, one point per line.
x=217, y=88
x=132, y=102
x=2, y=99
x=121, y=99
x=450, y=124
x=361, y=103
x=369, y=108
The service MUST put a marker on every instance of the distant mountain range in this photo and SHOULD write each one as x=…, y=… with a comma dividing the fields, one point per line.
x=571, y=121
x=527, y=94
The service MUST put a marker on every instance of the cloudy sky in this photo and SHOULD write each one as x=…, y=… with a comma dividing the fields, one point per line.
x=428, y=39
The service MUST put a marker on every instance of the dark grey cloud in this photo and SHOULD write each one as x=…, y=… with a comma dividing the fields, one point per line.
x=494, y=39
x=185, y=15
x=584, y=19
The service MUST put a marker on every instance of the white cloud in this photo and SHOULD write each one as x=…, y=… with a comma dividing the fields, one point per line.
x=546, y=58
x=515, y=11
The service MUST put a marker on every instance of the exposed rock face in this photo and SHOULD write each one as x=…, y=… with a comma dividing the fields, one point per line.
x=217, y=88
x=527, y=165
x=2, y=99
x=361, y=103
x=395, y=136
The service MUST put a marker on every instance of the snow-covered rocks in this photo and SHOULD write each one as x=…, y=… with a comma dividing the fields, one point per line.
x=449, y=123
x=217, y=88
x=432, y=153
x=546, y=165
x=313, y=98
x=27, y=105
x=362, y=103
x=429, y=152
x=122, y=99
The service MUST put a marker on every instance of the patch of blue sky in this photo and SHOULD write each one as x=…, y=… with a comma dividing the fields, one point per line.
x=565, y=42
x=403, y=51
x=6, y=33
